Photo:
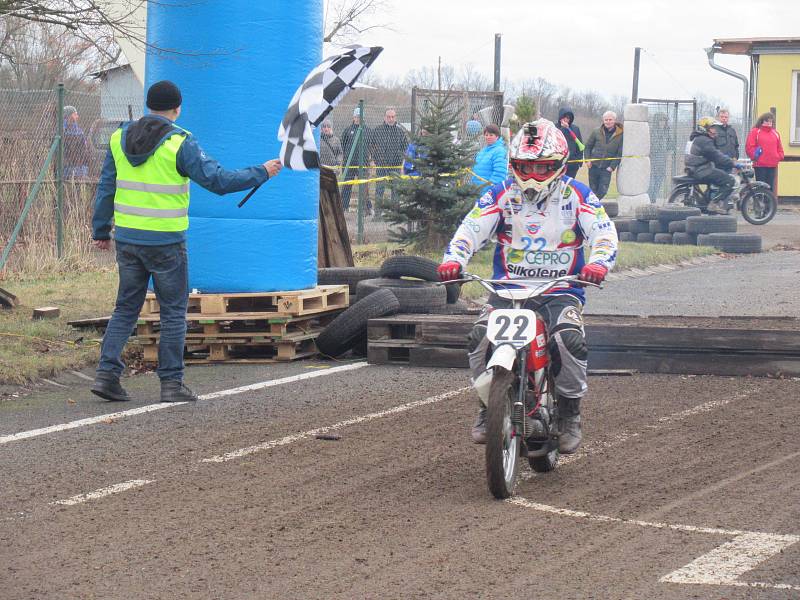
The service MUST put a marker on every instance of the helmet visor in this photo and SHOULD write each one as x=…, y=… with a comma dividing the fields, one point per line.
x=538, y=170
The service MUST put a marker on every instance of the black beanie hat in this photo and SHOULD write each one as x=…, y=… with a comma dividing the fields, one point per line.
x=163, y=95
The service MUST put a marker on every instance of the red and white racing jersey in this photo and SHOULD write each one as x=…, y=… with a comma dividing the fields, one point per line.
x=537, y=241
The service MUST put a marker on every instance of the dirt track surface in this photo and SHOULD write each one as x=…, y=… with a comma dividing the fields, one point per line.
x=673, y=470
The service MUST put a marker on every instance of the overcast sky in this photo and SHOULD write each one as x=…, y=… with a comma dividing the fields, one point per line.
x=585, y=44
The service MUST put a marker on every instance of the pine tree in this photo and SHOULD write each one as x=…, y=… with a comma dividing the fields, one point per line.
x=426, y=210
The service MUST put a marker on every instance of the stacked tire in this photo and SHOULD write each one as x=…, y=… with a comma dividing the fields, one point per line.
x=407, y=284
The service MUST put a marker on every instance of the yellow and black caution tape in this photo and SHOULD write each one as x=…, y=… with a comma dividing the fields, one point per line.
x=470, y=171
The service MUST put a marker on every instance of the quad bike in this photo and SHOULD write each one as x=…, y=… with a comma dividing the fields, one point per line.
x=518, y=387
x=754, y=198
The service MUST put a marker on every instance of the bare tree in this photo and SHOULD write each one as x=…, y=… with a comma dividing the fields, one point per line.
x=347, y=19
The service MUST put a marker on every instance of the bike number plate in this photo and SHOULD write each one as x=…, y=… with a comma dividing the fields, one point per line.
x=515, y=326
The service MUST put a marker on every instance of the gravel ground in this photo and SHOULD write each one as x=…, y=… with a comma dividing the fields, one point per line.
x=397, y=507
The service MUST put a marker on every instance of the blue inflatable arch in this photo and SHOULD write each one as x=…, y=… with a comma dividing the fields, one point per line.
x=240, y=62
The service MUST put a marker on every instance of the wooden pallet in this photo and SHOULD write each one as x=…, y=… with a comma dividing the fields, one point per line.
x=243, y=306
x=221, y=349
x=268, y=326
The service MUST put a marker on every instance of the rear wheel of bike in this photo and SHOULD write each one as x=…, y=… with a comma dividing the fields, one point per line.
x=759, y=206
x=502, y=438
x=547, y=462
x=685, y=195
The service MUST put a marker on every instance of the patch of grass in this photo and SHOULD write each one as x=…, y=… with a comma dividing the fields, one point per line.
x=33, y=349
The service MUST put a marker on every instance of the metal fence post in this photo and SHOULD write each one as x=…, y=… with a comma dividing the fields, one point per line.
x=361, y=188
x=60, y=172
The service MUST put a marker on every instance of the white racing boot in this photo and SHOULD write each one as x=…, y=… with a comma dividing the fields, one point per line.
x=479, y=429
x=569, y=425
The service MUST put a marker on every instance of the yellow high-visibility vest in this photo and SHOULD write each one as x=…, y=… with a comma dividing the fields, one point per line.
x=152, y=196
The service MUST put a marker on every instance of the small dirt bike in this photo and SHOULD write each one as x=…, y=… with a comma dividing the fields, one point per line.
x=517, y=386
x=755, y=199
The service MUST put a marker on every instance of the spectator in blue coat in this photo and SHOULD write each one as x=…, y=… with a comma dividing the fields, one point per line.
x=412, y=153
x=491, y=162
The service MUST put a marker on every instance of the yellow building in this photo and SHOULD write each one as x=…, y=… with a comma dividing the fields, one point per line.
x=774, y=87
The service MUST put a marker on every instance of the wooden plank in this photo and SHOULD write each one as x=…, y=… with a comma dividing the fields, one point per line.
x=418, y=356
x=96, y=323
x=7, y=299
x=695, y=363
x=46, y=312
x=334, y=248
x=765, y=340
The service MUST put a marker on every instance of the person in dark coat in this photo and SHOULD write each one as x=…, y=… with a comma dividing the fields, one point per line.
x=574, y=140
x=708, y=165
x=348, y=140
x=388, y=146
x=726, y=141
x=330, y=150
x=604, y=142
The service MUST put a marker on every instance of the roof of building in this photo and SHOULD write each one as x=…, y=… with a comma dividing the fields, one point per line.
x=105, y=72
x=764, y=45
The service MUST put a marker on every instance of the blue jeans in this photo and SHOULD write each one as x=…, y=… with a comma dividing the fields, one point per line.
x=169, y=268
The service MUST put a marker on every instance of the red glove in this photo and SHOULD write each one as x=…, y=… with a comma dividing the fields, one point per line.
x=593, y=273
x=449, y=271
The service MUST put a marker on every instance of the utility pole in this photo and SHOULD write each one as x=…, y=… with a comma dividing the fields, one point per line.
x=496, y=87
x=635, y=92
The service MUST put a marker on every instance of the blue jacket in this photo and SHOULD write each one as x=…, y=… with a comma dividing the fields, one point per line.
x=491, y=163
x=140, y=139
x=412, y=152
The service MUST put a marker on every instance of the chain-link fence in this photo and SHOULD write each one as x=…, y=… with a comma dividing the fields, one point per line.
x=58, y=203
x=671, y=122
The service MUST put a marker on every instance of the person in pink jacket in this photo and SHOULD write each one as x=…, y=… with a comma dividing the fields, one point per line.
x=764, y=147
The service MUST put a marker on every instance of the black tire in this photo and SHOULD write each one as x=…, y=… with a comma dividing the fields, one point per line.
x=644, y=238
x=662, y=238
x=637, y=226
x=736, y=243
x=703, y=239
x=681, y=238
x=419, y=267
x=759, y=206
x=648, y=212
x=501, y=474
x=350, y=327
x=677, y=226
x=677, y=213
x=612, y=208
x=711, y=224
x=415, y=296
x=627, y=236
x=656, y=226
x=346, y=276
x=623, y=224
x=684, y=195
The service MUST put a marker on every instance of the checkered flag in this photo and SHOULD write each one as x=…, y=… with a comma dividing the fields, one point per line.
x=321, y=91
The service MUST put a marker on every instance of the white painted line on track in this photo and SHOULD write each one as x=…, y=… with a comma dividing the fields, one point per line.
x=725, y=564
x=721, y=566
x=102, y=493
x=291, y=379
x=14, y=437
x=289, y=439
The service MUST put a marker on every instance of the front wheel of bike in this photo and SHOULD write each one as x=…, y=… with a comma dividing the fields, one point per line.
x=686, y=195
x=503, y=441
x=759, y=206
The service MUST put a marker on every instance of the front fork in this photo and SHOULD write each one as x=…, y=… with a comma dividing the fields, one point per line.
x=518, y=413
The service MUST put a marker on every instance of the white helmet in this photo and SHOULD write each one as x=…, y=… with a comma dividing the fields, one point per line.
x=538, y=157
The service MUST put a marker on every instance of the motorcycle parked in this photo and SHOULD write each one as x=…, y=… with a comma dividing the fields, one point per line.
x=518, y=387
x=753, y=198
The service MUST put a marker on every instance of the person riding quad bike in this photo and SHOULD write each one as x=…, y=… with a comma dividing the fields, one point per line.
x=541, y=221
x=705, y=163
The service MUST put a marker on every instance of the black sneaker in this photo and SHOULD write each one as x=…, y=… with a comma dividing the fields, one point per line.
x=107, y=386
x=173, y=390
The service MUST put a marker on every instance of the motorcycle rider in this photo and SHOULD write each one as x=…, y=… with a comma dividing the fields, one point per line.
x=540, y=220
x=705, y=163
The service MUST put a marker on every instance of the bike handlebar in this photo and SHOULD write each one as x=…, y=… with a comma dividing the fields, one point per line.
x=540, y=285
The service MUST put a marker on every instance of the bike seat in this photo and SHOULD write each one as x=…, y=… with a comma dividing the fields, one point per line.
x=684, y=179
